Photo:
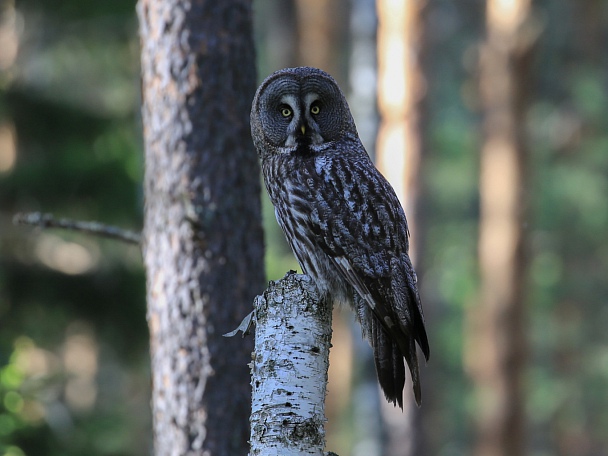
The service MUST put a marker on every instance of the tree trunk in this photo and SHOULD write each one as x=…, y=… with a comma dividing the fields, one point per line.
x=497, y=345
x=203, y=242
x=289, y=369
x=401, y=86
x=322, y=36
x=400, y=90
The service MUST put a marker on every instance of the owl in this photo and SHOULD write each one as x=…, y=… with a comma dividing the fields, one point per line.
x=340, y=216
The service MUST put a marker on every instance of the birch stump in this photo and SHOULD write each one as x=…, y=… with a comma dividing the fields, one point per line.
x=289, y=369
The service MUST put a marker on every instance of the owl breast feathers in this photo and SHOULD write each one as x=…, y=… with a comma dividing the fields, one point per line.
x=341, y=217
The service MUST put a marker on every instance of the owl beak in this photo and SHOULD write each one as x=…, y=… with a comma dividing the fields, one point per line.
x=303, y=129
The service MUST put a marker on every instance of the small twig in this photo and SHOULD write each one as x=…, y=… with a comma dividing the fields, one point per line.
x=96, y=228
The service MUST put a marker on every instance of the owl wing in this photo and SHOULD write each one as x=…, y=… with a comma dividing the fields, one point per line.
x=392, y=318
x=359, y=223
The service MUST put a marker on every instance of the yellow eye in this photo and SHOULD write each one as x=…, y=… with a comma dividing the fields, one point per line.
x=314, y=109
x=286, y=112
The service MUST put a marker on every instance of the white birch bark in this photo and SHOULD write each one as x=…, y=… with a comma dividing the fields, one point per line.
x=289, y=369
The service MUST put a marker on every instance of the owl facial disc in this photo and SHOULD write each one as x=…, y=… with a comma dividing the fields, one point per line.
x=303, y=129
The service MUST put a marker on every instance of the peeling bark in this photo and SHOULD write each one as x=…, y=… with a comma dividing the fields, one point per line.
x=289, y=369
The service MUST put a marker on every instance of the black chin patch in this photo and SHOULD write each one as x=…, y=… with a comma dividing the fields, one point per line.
x=303, y=145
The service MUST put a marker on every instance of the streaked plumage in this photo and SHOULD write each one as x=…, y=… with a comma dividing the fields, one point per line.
x=341, y=217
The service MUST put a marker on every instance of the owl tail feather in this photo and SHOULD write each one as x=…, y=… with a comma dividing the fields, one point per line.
x=390, y=368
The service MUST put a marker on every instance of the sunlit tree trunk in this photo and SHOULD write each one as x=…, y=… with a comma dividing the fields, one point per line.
x=497, y=344
x=398, y=153
x=203, y=248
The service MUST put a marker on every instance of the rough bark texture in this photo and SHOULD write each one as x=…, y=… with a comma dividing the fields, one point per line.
x=497, y=349
x=203, y=245
x=289, y=369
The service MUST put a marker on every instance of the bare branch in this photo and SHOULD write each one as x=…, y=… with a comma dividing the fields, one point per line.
x=99, y=229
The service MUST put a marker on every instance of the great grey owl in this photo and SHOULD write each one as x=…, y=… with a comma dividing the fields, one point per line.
x=341, y=217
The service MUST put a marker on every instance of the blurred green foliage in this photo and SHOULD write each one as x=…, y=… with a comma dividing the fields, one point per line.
x=70, y=100
x=74, y=375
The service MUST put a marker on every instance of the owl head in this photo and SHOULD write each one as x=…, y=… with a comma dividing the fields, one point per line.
x=299, y=107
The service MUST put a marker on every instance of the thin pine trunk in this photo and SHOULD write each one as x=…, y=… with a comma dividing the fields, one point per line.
x=497, y=345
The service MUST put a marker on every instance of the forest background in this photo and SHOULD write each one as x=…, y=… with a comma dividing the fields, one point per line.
x=74, y=363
